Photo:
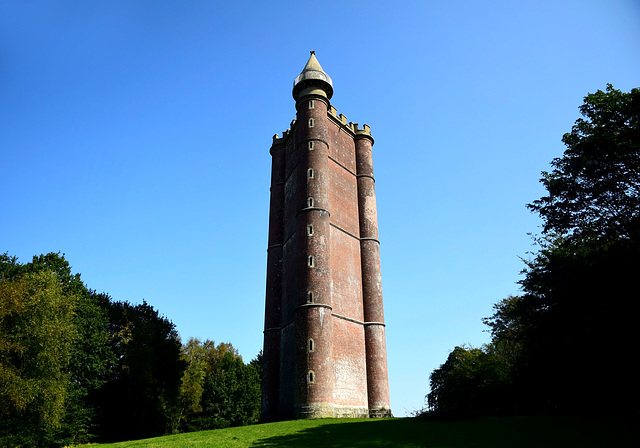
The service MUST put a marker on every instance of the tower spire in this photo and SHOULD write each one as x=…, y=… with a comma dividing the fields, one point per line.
x=312, y=80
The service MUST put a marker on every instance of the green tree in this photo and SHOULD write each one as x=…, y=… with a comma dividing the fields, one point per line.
x=91, y=354
x=578, y=286
x=192, y=385
x=472, y=382
x=37, y=335
x=564, y=340
x=594, y=188
x=140, y=396
x=228, y=390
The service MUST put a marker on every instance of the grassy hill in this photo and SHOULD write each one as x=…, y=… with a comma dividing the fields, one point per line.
x=515, y=432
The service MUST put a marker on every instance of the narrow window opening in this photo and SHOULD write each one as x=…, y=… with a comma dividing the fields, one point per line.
x=310, y=173
x=311, y=105
x=310, y=261
x=310, y=202
x=310, y=230
x=310, y=297
x=311, y=346
x=311, y=122
x=311, y=145
x=311, y=377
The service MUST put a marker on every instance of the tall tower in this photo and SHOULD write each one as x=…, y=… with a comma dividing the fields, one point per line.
x=324, y=338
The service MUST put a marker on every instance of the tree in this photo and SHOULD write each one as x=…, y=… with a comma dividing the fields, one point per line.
x=140, y=396
x=577, y=287
x=218, y=388
x=594, y=188
x=564, y=342
x=90, y=354
x=37, y=334
x=472, y=382
x=192, y=385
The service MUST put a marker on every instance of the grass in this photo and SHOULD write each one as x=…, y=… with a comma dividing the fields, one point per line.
x=513, y=432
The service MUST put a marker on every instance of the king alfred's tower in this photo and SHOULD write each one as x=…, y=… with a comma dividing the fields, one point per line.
x=324, y=337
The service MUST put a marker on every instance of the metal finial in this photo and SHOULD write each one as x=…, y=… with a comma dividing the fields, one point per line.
x=313, y=52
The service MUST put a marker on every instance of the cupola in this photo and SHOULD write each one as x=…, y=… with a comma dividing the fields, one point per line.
x=312, y=81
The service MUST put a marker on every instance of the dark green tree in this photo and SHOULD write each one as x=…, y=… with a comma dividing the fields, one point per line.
x=594, y=188
x=472, y=382
x=574, y=320
x=140, y=396
x=562, y=343
x=578, y=286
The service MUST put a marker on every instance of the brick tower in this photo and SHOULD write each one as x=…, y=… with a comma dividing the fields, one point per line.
x=324, y=338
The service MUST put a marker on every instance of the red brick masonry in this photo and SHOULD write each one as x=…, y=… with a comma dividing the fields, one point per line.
x=324, y=339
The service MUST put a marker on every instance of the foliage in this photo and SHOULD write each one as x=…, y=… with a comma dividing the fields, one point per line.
x=90, y=354
x=471, y=382
x=140, y=395
x=562, y=342
x=192, y=386
x=76, y=366
x=120, y=370
x=218, y=389
x=37, y=333
x=594, y=189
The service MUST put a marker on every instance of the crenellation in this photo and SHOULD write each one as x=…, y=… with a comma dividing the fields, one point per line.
x=340, y=120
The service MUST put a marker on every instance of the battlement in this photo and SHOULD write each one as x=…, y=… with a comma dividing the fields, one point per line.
x=285, y=135
x=340, y=119
x=347, y=125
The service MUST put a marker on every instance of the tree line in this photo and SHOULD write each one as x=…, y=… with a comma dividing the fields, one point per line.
x=566, y=343
x=78, y=366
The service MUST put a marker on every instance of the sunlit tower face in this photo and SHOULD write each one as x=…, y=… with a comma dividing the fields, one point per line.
x=324, y=337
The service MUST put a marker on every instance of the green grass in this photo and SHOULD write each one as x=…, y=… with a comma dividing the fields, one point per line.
x=513, y=432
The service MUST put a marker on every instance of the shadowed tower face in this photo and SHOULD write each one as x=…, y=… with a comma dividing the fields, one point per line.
x=324, y=338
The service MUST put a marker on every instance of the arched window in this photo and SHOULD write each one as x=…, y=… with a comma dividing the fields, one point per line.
x=310, y=261
x=309, y=296
x=311, y=105
x=311, y=377
x=309, y=229
x=310, y=173
x=311, y=145
x=311, y=346
x=309, y=201
x=311, y=122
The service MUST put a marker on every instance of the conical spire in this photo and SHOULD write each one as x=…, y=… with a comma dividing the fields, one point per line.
x=313, y=64
x=312, y=80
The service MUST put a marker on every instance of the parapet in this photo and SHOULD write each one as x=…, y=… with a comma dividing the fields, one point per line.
x=285, y=135
x=351, y=127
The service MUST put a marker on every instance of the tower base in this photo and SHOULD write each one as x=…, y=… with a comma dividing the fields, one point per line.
x=329, y=410
x=380, y=413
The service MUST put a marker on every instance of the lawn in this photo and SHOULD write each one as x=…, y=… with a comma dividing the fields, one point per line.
x=513, y=432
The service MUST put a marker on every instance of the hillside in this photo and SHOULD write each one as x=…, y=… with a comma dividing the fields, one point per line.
x=521, y=432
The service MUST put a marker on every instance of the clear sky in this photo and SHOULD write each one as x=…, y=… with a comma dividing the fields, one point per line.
x=135, y=135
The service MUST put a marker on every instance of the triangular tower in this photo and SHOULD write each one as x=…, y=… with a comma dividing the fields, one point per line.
x=324, y=338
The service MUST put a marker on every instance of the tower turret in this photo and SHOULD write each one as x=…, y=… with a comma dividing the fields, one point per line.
x=312, y=81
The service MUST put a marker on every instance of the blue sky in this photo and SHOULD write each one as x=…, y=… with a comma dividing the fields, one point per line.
x=135, y=135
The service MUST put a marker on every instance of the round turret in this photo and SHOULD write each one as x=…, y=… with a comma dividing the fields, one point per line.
x=312, y=81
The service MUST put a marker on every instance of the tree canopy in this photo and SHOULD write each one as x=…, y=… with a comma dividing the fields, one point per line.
x=560, y=346
x=36, y=339
x=594, y=188
x=78, y=366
